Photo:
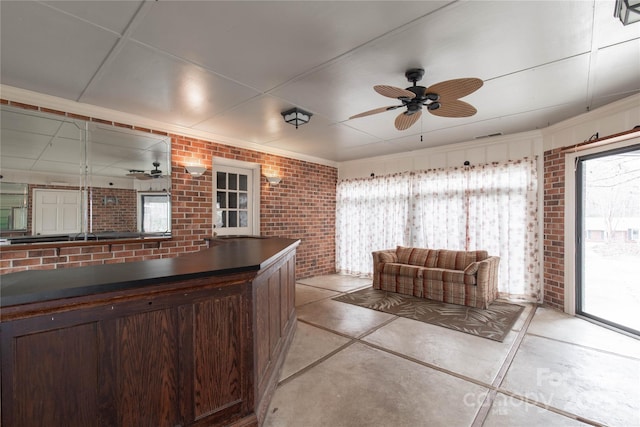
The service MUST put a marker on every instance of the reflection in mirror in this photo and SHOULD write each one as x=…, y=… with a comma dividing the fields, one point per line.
x=80, y=179
x=13, y=207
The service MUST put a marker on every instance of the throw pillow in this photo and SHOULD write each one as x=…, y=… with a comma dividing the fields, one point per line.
x=472, y=268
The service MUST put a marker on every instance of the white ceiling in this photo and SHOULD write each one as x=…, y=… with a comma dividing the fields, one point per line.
x=229, y=69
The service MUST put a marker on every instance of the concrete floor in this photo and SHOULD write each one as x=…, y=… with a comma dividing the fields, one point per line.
x=351, y=366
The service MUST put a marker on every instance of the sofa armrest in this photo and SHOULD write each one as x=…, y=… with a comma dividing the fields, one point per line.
x=488, y=276
x=380, y=257
x=383, y=256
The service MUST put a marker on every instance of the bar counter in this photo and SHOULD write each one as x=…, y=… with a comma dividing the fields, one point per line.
x=196, y=340
x=232, y=256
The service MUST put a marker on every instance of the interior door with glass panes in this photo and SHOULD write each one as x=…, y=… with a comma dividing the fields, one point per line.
x=233, y=214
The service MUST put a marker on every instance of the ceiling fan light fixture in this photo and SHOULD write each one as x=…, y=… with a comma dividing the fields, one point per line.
x=296, y=116
x=441, y=99
x=143, y=175
x=628, y=11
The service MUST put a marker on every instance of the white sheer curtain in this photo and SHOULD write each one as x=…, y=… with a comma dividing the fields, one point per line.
x=438, y=210
x=371, y=214
x=491, y=207
x=503, y=218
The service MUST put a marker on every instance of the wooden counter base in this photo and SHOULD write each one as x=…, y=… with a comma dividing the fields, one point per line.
x=199, y=351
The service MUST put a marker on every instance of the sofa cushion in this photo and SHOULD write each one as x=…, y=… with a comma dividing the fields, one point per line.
x=422, y=257
x=459, y=260
x=448, y=276
x=404, y=254
x=388, y=257
x=402, y=284
x=402, y=270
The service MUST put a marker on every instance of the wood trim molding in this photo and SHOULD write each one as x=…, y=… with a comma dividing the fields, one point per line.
x=605, y=140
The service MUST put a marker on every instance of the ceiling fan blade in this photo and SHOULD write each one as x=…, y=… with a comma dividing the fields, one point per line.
x=454, y=108
x=456, y=88
x=375, y=111
x=404, y=120
x=393, y=92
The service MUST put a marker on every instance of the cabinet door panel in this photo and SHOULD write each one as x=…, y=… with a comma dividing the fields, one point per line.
x=45, y=394
x=140, y=370
x=218, y=354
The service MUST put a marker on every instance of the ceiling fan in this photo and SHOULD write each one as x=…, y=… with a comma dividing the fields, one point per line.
x=142, y=175
x=440, y=99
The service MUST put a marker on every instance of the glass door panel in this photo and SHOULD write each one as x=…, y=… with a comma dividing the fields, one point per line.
x=608, y=207
x=233, y=196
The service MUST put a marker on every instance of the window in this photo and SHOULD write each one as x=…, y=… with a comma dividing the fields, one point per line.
x=13, y=207
x=155, y=212
x=489, y=207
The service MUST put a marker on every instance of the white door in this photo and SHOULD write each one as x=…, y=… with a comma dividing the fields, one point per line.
x=56, y=211
x=234, y=210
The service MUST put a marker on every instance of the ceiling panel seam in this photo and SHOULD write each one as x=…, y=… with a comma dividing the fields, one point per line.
x=355, y=49
x=593, y=60
x=79, y=18
x=538, y=66
x=117, y=48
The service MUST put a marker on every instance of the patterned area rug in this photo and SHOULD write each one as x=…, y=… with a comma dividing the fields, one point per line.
x=493, y=323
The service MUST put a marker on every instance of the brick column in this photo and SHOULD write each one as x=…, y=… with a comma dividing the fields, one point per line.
x=554, y=190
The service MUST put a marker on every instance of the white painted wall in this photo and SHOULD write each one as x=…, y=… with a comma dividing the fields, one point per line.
x=611, y=119
x=500, y=148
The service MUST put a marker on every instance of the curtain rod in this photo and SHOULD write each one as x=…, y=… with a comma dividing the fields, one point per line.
x=622, y=136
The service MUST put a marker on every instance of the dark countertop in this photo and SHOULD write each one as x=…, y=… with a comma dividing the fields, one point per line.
x=234, y=256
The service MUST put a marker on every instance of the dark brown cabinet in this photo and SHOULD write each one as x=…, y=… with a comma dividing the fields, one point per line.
x=197, y=352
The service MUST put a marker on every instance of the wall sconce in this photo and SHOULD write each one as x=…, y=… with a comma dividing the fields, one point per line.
x=296, y=116
x=274, y=180
x=628, y=11
x=196, y=171
x=109, y=200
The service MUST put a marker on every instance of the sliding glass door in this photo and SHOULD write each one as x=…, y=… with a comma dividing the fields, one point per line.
x=608, y=237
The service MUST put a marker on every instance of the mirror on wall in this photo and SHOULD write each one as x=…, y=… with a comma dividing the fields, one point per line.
x=69, y=179
x=13, y=207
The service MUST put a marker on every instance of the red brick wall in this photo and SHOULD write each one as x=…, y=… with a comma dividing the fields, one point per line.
x=120, y=216
x=301, y=207
x=79, y=256
x=554, y=191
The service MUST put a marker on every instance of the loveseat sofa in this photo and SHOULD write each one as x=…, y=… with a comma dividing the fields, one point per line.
x=458, y=277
